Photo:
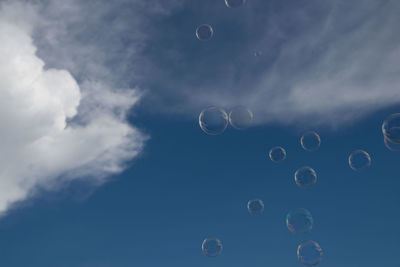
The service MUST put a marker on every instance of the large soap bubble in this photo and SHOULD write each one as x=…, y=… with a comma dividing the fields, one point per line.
x=255, y=206
x=309, y=253
x=359, y=160
x=213, y=120
x=240, y=118
x=299, y=221
x=391, y=128
x=204, y=32
x=234, y=3
x=310, y=141
x=305, y=177
x=277, y=154
x=211, y=247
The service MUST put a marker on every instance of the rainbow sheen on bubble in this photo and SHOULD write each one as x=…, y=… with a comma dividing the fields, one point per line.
x=305, y=177
x=277, y=154
x=391, y=146
x=255, y=206
x=213, y=120
x=359, y=160
x=309, y=253
x=391, y=128
x=299, y=221
x=240, y=118
x=211, y=247
x=310, y=141
x=204, y=32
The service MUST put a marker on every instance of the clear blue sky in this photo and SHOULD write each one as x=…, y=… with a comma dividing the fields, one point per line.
x=317, y=69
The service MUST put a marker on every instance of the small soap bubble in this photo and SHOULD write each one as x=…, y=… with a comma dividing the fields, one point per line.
x=310, y=141
x=211, y=247
x=204, y=32
x=391, y=128
x=213, y=120
x=255, y=206
x=309, y=253
x=234, y=3
x=277, y=154
x=299, y=221
x=305, y=177
x=359, y=160
x=240, y=118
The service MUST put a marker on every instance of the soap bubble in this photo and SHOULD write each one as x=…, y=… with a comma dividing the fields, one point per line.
x=309, y=253
x=305, y=177
x=277, y=154
x=359, y=160
x=255, y=206
x=234, y=3
x=257, y=53
x=310, y=141
x=391, y=146
x=299, y=221
x=391, y=128
x=240, y=118
x=204, y=32
x=211, y=247
x=213, y=120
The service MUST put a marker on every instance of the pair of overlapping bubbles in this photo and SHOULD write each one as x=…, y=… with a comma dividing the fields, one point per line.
x=214, y=120
x=391, y=132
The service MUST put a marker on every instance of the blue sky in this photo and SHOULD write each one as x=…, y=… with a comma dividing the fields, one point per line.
x=103, y=163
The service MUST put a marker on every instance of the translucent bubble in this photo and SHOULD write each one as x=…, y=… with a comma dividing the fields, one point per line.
x=299, y=221
x=391, y=128
x=240, y=118
x=309, y=253
x=211, y=247
x=310, y=141
x=234, y=3
x=391, y=146
x=255, y=206
x=204, y=32
x=277, y=154
x=257, y=53
x=213, y=120
x=359, y=160
x=305, y=177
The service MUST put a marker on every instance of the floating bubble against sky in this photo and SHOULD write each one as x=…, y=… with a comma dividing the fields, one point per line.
x=391, y=146
x=211, y=247
x=255, y=206
x=310, y=141
x=309, y=253
x=204, y=32
x=234, y=3
x=213, y=120
x=299, y=221
x=305, y=177
x=391, y=128
x=240, y=118
x=359, y=160
x=277, y=154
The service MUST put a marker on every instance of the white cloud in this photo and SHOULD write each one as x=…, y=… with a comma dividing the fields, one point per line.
x=38, y=148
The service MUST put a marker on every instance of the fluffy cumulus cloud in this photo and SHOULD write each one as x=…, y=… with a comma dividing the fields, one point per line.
x=54, y=129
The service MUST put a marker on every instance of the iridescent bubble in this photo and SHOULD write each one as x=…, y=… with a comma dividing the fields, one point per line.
x=240, y=118
x=359, y=160
x=204, y=32
x=391, y=146
x=299, y=221
x=213, y=120
x=391, y=128
x=309, y=253
x=255, y=206
x=305, y=177
x=211, y=247
x=277, y=154
x=310, y=141
x=234, y=3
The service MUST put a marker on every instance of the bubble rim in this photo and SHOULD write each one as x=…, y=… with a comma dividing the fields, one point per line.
x=203, y=249
x=204, y=25
x=254, y=200
x=225, y=115
x=228, y=5
x=291, y=228
x=277, y=148
x=232, y=123
x=363, y=152
x=302, y=142
x=302, y=168
x=317, y=245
